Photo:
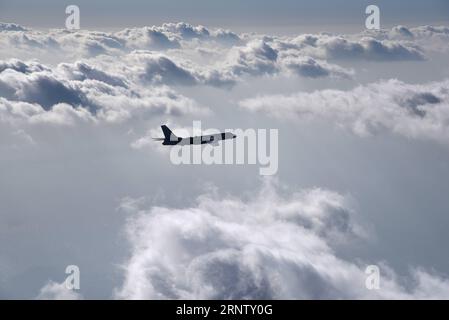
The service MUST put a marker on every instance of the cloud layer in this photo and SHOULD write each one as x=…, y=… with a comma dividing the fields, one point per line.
x=415, y=111
x=135, y=72
x=230, y=54
x=266, y=247
x=111, y=87
x=30, y=88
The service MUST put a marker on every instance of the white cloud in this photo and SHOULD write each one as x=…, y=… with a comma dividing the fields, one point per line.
x=21, y=66
x=309, y=67
x=43, y=88
x=255, y=58
x=350, y=47
x=70, y=44
x=30, y=88
x=57, y=291
x=371, y=49
x=81, y=71
x=221, y=247
x=186, y=30
x=432, y=38
x=4, y=26
x=161, y=70
x=424, y=38
x=411, y=110
x=270, y=246
x=17, y=112
x=226, y=36
x=177, y=52
x=148, y=38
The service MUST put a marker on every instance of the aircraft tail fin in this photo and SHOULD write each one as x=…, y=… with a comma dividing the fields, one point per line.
x=168, y=134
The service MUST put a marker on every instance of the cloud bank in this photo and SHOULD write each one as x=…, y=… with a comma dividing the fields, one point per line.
x=274, y=244
x=418, y=111
x=30, y=88
x=182, y=49
x=265, y=247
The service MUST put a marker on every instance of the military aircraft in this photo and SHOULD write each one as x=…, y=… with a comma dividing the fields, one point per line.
x=170, y=139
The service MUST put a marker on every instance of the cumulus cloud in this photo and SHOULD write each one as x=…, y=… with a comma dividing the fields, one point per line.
x=226, y=36
x=234, y=56
x=411, y=110
x=371, y=49
x=425, y=38
x=40, y=87
x=433, y=38
x=365, y=46
x=120, y=106
x=117, y=82
x=147, y=37
x=20, y=66
x=312, y=68
x=258, y=58
x=175, y=52
x=255, y=58
x=266, y=247
x=16, y=112
x=11, y=27
x=399, y=43
x=81, y=71
x=186, y=30
x=160, y=69
x=63, y=43
x=57, y=291
x=401, y=31
x=30, y=89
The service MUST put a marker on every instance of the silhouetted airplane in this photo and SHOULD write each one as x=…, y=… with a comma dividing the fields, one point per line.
x=170, y=139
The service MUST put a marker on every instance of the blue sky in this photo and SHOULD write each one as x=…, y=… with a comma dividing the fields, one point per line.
x=250, y=13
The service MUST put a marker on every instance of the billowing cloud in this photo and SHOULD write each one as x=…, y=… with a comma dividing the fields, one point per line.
x=411, y=110
x=11, y=27
x=312, y=68
x=267, y=247
x=29, y=89
x=256, y=58
x=175, y=52
x=81, y=71
x=327, y=46
x=432, y=38
x=160, y=69
x=399, y=43
x=16, y=112
x=186, y=30
x=111, y=87
x=20, y=66
x=370, y=49
x=226, y=36
x=40, y=87
x=401, y=32
x=84, y=43
x=147, y=37
x=57, y=291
